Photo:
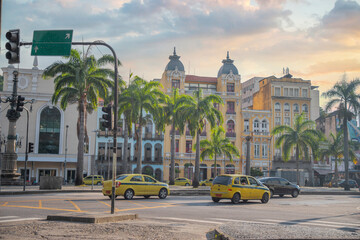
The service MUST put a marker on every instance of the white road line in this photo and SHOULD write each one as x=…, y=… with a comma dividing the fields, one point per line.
x=317, y=223
x=20, y=219
x=9, y=217
x=243, y=221
x=186, y=220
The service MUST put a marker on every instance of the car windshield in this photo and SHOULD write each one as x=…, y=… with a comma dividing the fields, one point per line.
x=222, y=180
x=121, y=177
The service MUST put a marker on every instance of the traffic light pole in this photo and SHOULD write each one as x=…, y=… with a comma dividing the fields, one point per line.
x=115, y=109
x=27, y=145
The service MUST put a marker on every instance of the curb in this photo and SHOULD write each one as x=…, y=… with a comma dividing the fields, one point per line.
x=92, y=218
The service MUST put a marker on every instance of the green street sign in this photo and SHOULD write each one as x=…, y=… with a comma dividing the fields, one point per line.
x=52, y=43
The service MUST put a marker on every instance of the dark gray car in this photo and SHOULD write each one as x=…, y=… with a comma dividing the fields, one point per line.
x=280, y=186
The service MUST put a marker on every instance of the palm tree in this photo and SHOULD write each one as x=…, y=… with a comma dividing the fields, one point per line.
x=200, y=110
x=217, y=145
x=140, y=98
x=81, y=81
x=344, y=95
x=302, y=136
x=173, y=112
x=334, y=146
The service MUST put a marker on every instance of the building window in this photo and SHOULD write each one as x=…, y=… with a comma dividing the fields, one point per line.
x=286, y=92
x=296, y=107
x=291, y=92
x=49, y=136
x=257, y=149
x=256, y=126
x=230, y=87
x=305, y=108
x=230, y=126
x=175, y=83
x=304, y=93
x=287, y=121
x=188, y=146
x=277, y=121
x=296, y=92
x=277, y=107
x=286, y=107
x=264, y=150
x=264, y=126
x=277, y=91
x=230, y=107
x=177, y=145
x=246, y=125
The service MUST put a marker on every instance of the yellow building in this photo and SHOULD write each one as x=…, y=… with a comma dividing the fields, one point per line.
x=227, y=85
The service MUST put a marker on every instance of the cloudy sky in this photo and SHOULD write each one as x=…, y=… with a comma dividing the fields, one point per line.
x=317, y=40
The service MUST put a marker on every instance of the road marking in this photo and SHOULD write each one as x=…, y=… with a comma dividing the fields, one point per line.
x=129, y=209
x=40, y=204
x=108, y=205
x=136, y=203
x=75, y=206
x=316, y=223
x=8, y=217
x=20, y=219
x=5, y=204
x=243, y=221
x=186, y=220
x=44, y=208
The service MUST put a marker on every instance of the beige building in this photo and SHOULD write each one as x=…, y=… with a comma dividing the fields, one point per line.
x=47, y=128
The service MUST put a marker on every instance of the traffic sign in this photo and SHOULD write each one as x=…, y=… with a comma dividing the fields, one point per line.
x=52, y=43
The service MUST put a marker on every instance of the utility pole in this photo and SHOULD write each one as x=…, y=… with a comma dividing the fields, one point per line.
x=66, y=149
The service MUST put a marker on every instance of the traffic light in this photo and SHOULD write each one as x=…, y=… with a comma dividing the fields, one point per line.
x=31, y=147
x=13, y=45
x=107, y=117
x=20, y=104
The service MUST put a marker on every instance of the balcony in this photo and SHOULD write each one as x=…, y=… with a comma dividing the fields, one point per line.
x=231, y=134
x=231, y=112
x=150, y=136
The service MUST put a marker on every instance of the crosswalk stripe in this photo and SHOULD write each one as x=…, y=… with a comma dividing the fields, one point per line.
x=20, y=219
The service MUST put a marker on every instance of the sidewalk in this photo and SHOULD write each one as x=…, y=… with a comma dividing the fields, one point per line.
x=174, y=190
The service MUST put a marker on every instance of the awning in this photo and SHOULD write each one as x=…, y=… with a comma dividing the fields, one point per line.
x=323, y=171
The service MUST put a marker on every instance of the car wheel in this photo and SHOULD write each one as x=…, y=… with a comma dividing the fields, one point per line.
x=215, y=199
x=295, y=193
x=146, y=196
x=281, y=195
x=204, y=184
x=236, y=198
x=186, y=184
x=265, y=198
x=129, y=194
x=271, y=193
x=163, y=193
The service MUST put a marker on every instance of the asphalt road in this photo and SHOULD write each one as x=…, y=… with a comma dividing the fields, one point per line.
x=335, y=212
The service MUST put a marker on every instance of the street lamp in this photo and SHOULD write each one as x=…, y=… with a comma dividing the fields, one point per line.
x=66, y=135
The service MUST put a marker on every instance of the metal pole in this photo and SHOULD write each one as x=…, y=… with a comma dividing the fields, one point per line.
x=26, y=144
x=66, y=136
x=247, y=170
x=108, y=159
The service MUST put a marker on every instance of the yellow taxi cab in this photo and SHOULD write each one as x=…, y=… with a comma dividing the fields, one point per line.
x=130, y=185
x=98, y=180
x=181, y=181
x=238, y=187
x=207, y=182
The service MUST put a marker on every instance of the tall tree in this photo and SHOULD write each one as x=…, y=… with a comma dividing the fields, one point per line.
x=334, y=146
x=140, y=99
x=81, y=80
x=200, y=110
x=217, y=145
x=302, y=136
x=343, y=94
x=173, y=112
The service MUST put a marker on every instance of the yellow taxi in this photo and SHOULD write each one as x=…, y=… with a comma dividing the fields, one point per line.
x=207, y=182
x=238, y=187
x=130, y=185
x=98, y=180
x=181, y=181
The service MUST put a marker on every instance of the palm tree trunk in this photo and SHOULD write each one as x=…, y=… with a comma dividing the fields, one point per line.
x=215, y=167
x=172, y=161
x=336, y=173
x=126, y=140
x=80, y=154
x=139, y=150
x=197, y=161
x=346, y=152
x=297, y=165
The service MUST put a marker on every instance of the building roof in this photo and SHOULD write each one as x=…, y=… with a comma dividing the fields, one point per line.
x=174, y=63
x=227, y=67
x=198, y=79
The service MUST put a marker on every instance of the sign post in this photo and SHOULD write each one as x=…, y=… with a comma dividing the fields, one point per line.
x=52, y=43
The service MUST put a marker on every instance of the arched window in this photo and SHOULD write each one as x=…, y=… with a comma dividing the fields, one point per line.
x=296, y=107
x=148, y=148
x=256, y=126
x=158, y=152
x=148, y=170
x=305, y=108
x=264, y=126
x=188, y=170
x=229, y=169
x=230, y=126
x=277, y=107
x=148, y=129
x=257, y=149
x=49, y=135
x=218, y=170
x=286, y=107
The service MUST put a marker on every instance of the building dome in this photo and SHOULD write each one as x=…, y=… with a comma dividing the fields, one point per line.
x=227, y=67
x=174, y=63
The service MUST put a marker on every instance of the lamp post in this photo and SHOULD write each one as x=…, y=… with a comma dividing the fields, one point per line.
x=66, y=135
x=26, y=145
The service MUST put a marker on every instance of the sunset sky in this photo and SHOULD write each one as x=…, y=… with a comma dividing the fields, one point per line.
x=317, y=40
